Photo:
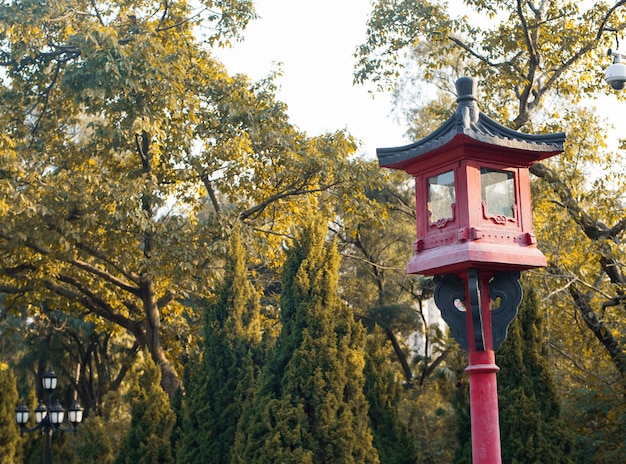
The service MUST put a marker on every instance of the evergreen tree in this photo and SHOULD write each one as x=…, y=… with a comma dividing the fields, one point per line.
x=177, y=436
x=391, y=437
x=460, y=401
x=310, y=407
x=219, y=382
x=530, y=412
x=96, y=444
x=148, y=439
x=9, y=432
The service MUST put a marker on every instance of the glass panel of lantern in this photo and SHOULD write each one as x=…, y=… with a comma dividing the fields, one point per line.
x=498, y=192
x=441, y=196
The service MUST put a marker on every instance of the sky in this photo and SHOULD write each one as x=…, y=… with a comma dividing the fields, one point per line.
x=315, y=41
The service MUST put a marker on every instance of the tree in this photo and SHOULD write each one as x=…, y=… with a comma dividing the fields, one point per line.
x=224, y=376
x=590, y=385
x=127, y=154
x=68, y=343
x=97, y=444
x=511, y=46
x=375, y=245
x=532, y=427
x=375, y=239
x=101, y=435
x=310, y=405
x=148, y=439
x=10, y=446
x=384, y=396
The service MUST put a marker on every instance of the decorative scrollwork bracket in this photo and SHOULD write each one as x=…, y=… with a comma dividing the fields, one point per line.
x=451, y=295
x=506, y=286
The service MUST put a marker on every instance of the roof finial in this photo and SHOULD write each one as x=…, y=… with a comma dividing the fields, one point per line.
x=465, y=89
x=467, y=110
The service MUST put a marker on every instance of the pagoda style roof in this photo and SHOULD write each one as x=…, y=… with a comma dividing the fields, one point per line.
x=469, y=125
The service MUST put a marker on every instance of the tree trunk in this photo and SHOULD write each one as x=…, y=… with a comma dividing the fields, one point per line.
x=406, y=369
x=152, y=339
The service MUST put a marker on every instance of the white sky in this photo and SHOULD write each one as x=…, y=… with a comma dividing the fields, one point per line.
x=315, y=42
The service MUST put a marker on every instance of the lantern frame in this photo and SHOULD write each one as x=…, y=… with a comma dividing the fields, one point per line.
x=470, y=238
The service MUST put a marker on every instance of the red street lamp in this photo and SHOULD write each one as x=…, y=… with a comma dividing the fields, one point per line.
x=474, y=234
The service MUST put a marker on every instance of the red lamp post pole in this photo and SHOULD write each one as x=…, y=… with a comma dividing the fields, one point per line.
x=483, y=388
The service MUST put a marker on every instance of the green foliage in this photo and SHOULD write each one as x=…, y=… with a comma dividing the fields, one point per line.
x=310, y=406
x=375, y=235
x=597, y=416
x=384, y=395
x=100, y=436
x=127, y=154
x=532, y=429
x=96, y=444
x=148, y=439
x=220, y=382
x=10, y=443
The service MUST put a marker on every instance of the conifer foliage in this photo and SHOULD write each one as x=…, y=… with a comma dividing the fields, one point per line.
x=530, y=414
x=221, y=380
x=310, y=407
x=148, y=439
x=392, y=439
x=9, y=432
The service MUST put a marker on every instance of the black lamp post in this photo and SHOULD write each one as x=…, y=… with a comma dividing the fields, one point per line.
x=49, y=418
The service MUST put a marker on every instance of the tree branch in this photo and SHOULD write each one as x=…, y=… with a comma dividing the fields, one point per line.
x=107, y=260
x=599, y=329
x=606, y=18
x=93, y=303
x=595, y=230
x=95, y=8
x=89, y=267
x=105, y=276
x=14, y=290
x=204, y=177
x=533, y=62
x=290, y=192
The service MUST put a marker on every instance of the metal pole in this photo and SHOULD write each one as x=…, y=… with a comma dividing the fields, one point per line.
x=48, y=432
x=483, y=386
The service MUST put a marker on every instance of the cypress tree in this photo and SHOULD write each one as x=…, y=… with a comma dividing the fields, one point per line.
x=95, y=442
x=457, y=361
x=148, y=439
x=530, y=414
x=310, y=407
x=9, y=431
x=392, y=439
x=220, y=381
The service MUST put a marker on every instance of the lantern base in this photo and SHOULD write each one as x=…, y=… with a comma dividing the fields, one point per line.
x=485, y=256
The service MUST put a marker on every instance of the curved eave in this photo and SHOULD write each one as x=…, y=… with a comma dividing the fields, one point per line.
x=483, y=132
